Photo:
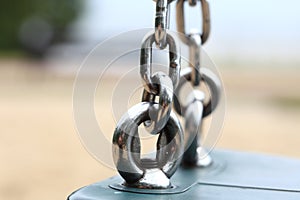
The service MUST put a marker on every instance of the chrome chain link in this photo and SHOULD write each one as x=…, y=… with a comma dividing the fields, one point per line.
x=195, y=38
x=161, y=23
x=158, y=117
x=180, y=20
x=146, y=61
x=197, y=108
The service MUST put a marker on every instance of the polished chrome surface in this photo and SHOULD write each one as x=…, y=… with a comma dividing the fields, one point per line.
x=146, y=62
x=159, y=116
x=180, y=19
x=194, y=154
x=195, y=53
x=161, y=23
x=207, y=77
x=195, y=109
x=126, y=148
x=232, y=176
x=152, y=179
x=192, y=127
x=204, y=158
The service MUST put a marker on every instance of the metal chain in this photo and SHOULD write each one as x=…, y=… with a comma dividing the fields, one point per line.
x=146, y=62
x=180, y=19
x=158, y=117
x=127, y=148
x=194, y=112
x=196, y=108
x=195, y=38
x=161, y=23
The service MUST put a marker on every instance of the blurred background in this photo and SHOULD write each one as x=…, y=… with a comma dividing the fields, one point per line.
x=254, y=43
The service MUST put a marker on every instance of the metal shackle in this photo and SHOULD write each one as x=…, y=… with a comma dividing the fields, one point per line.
x=192, y=131
x=214, y=86
x=127, y=148
x=180, y=19
x=159, y=117
x=146, y=62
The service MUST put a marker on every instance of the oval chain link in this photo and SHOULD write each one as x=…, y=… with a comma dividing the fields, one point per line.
x=180, y=19
x=214, y=85
x=161, y=23
x=146, y=62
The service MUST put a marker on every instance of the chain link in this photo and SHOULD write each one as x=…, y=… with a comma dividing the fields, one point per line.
x=146, y=62
x=159, y=115
x=161, y=23
x=194, y=39
x=214, y=86
x=180, y=19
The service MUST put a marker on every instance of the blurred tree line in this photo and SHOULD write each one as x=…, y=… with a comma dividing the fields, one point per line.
x=34, y=25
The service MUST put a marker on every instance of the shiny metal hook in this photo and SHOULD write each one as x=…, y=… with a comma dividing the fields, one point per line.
x=126, y=150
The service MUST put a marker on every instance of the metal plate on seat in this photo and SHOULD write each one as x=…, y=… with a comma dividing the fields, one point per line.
x=233, y=175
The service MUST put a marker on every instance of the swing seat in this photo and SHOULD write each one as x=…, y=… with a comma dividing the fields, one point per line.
x=232, y=175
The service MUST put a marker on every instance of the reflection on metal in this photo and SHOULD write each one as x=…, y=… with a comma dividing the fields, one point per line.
x=196, y=109
x=146, y=173
x=159, y=117
x=195, y=53
x=214, y=86
x=146, y=62
x=233, y=175
x=161, y=23
x=194, y=155
x=180, y=19
x=222, y=175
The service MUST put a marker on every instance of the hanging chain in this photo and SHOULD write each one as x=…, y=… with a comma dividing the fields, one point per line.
x=158, y=117
x=196, y=108
x=180, y=19
x=161, y=23
x=195, y=38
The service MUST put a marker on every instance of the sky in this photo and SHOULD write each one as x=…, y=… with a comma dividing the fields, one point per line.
x=260, y=29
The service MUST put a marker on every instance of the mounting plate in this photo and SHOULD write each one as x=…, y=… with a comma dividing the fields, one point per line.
x=233, y=175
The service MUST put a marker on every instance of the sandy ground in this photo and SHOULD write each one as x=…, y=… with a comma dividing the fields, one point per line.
x=42, y=156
